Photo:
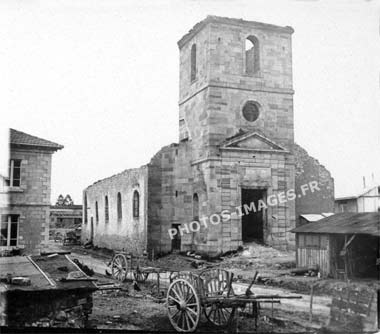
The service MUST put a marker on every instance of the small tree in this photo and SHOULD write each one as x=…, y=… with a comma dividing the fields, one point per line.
x=60, y=200
x=68, y=200
x=63, y=201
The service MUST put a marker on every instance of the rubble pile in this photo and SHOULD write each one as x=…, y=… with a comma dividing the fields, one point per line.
x=259, y=256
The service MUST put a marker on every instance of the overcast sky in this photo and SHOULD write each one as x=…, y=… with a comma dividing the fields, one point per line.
x=101, y=78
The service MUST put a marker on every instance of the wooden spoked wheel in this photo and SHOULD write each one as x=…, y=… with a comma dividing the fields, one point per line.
x=183, y=305
x=218, y=315
x=119, y=267
x=215, y=313
x=140, y=276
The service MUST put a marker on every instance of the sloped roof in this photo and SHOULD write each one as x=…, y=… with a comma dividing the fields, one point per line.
x=19, y=138
x=311, y=217
x=357, y=194
x=345, y=223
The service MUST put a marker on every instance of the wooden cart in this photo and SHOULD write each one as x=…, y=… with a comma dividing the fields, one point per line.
x=124, y=265
x=210, y=292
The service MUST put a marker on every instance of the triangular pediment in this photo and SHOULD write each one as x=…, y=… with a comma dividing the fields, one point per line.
x=252, y=141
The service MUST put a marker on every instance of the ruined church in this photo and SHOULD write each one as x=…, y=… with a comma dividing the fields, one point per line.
x=236, y=147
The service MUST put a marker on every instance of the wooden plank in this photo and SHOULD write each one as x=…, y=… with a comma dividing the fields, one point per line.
x=311, y=304
x=41, y=271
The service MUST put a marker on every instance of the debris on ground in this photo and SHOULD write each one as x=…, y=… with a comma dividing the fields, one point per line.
x=140, y=306
x=88, y=271
x=305, y=271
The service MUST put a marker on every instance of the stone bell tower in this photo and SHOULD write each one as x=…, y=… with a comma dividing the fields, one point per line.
x=235, y=74
x=236, y=112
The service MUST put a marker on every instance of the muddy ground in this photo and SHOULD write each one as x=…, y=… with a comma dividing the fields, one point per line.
x=129, y=309
x=139, y=310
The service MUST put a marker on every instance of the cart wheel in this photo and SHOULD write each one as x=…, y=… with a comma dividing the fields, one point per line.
x=119, y=267
x=184, y=308
x=140, y=276
x=219, y=316
x=216, y=314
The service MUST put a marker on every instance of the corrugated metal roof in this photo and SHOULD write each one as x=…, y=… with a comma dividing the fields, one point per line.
x=22, y=138
x=345, y=223
x=312, y=217
x=357, y=193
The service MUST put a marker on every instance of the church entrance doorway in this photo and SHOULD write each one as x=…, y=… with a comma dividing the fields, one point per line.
x=253, y=219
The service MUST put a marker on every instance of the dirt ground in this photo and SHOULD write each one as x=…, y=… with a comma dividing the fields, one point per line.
x=274, y=268
x=139, y=310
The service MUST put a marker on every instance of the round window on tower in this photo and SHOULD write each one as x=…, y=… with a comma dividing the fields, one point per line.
x=251, y=111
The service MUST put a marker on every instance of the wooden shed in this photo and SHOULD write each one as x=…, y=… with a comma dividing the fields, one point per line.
x=341, y=245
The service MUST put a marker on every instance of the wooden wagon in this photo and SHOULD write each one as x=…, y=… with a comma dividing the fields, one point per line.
x=125, y=265
x=210, y=292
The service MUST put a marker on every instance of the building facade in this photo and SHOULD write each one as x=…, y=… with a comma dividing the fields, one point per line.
x=115, y=211
x=25, y=213
x=64, y=218
x=236, y=144
x=368, y=200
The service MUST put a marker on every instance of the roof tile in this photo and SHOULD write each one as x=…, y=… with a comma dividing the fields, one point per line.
x=22, y=138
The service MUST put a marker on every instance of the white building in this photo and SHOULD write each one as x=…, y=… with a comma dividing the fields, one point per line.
x=368, y=200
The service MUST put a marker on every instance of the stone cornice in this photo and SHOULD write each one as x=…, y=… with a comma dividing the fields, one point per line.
x=230, y=21
x=203, y=160
x=229, y=86
x=245, y=149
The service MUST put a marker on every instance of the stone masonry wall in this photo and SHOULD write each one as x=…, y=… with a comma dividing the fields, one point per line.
x=210, y=110
x=160, y=212
x=309, y=169
x=32, y=199
x=211, y=107
x=273, y=172
x=225, y=179
x=171, y=188
x=174, y=179
x=129, y=233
